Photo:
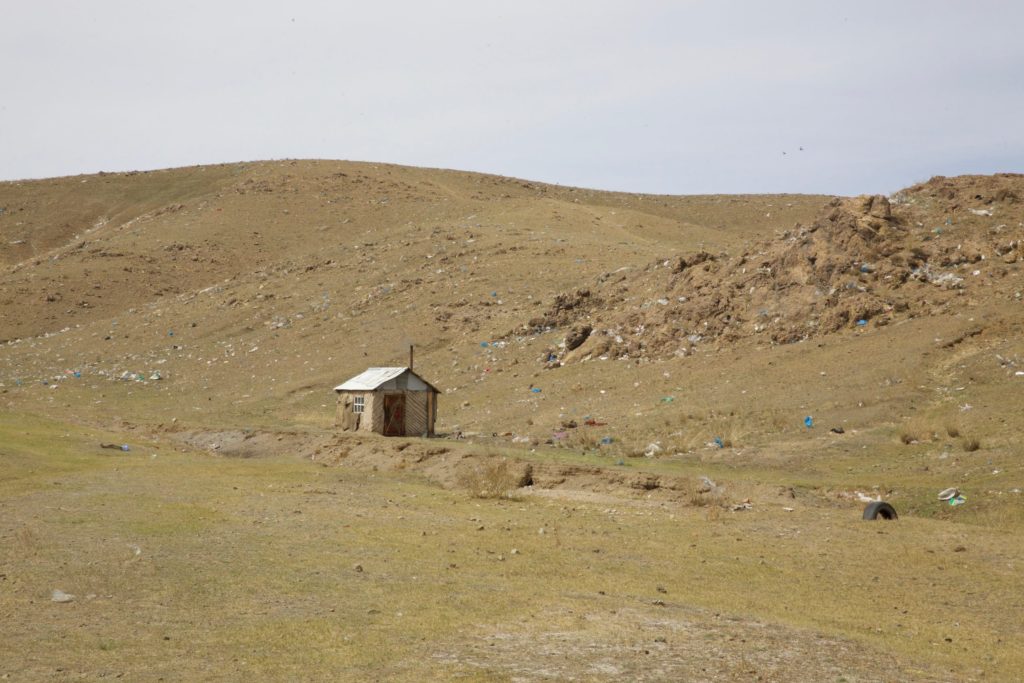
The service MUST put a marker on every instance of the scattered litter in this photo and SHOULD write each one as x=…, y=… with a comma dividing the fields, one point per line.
x=593, y=423
x=113, y=446
x=484, y=344
x=981, y=212
x=808, y=422
x=718, y=442
x=61, y=596
x=862, y=322
x=837, y=430
x=156, y=376
x=865, y=499
x=652, y=448
x=535, y=390
x=606, y=440
x=668, y=399
x=788, y=509
x=952, y=496
x=1019, y=373
x=745, y=505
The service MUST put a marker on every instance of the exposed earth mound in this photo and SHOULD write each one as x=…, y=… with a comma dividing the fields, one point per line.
x=862, y=262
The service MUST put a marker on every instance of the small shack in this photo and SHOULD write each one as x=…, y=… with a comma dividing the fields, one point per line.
x=388, y=401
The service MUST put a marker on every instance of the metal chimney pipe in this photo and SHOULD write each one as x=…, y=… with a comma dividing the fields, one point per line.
x=410, y=356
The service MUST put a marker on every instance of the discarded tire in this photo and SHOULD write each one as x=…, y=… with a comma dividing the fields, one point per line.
x=880, y=510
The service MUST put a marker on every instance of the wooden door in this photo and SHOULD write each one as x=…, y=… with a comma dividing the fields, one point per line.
x=394, y=414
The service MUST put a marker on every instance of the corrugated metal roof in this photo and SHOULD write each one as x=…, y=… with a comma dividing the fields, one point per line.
x=370, y=379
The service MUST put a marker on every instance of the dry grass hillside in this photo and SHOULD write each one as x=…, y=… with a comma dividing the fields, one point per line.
x=635, y=371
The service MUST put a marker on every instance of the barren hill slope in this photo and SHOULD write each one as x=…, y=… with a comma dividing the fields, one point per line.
x=322, y=259
x=251, y=289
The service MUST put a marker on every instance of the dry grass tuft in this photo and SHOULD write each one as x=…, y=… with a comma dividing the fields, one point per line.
x=583, y=439
x=491, y=478
x=971, y=445
x=920, y=430
x=28, y=540
x=699, y=494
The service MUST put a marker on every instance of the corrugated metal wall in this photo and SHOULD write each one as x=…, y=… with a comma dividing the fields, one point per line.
x=373, y=415
x=415, y=413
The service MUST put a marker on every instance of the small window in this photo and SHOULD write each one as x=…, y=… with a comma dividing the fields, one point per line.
x=357, y=404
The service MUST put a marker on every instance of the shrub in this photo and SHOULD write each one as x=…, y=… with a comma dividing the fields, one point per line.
x=971, y=445
x=492, y=478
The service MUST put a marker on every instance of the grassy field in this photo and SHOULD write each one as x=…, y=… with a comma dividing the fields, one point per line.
x=188, y=566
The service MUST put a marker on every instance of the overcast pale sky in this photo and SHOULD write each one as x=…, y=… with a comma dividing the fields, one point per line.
x=646, y=96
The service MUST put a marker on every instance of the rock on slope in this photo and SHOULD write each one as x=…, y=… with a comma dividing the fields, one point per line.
x=862, y=261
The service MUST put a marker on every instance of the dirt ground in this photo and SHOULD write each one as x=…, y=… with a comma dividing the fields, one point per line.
x=675, y=408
